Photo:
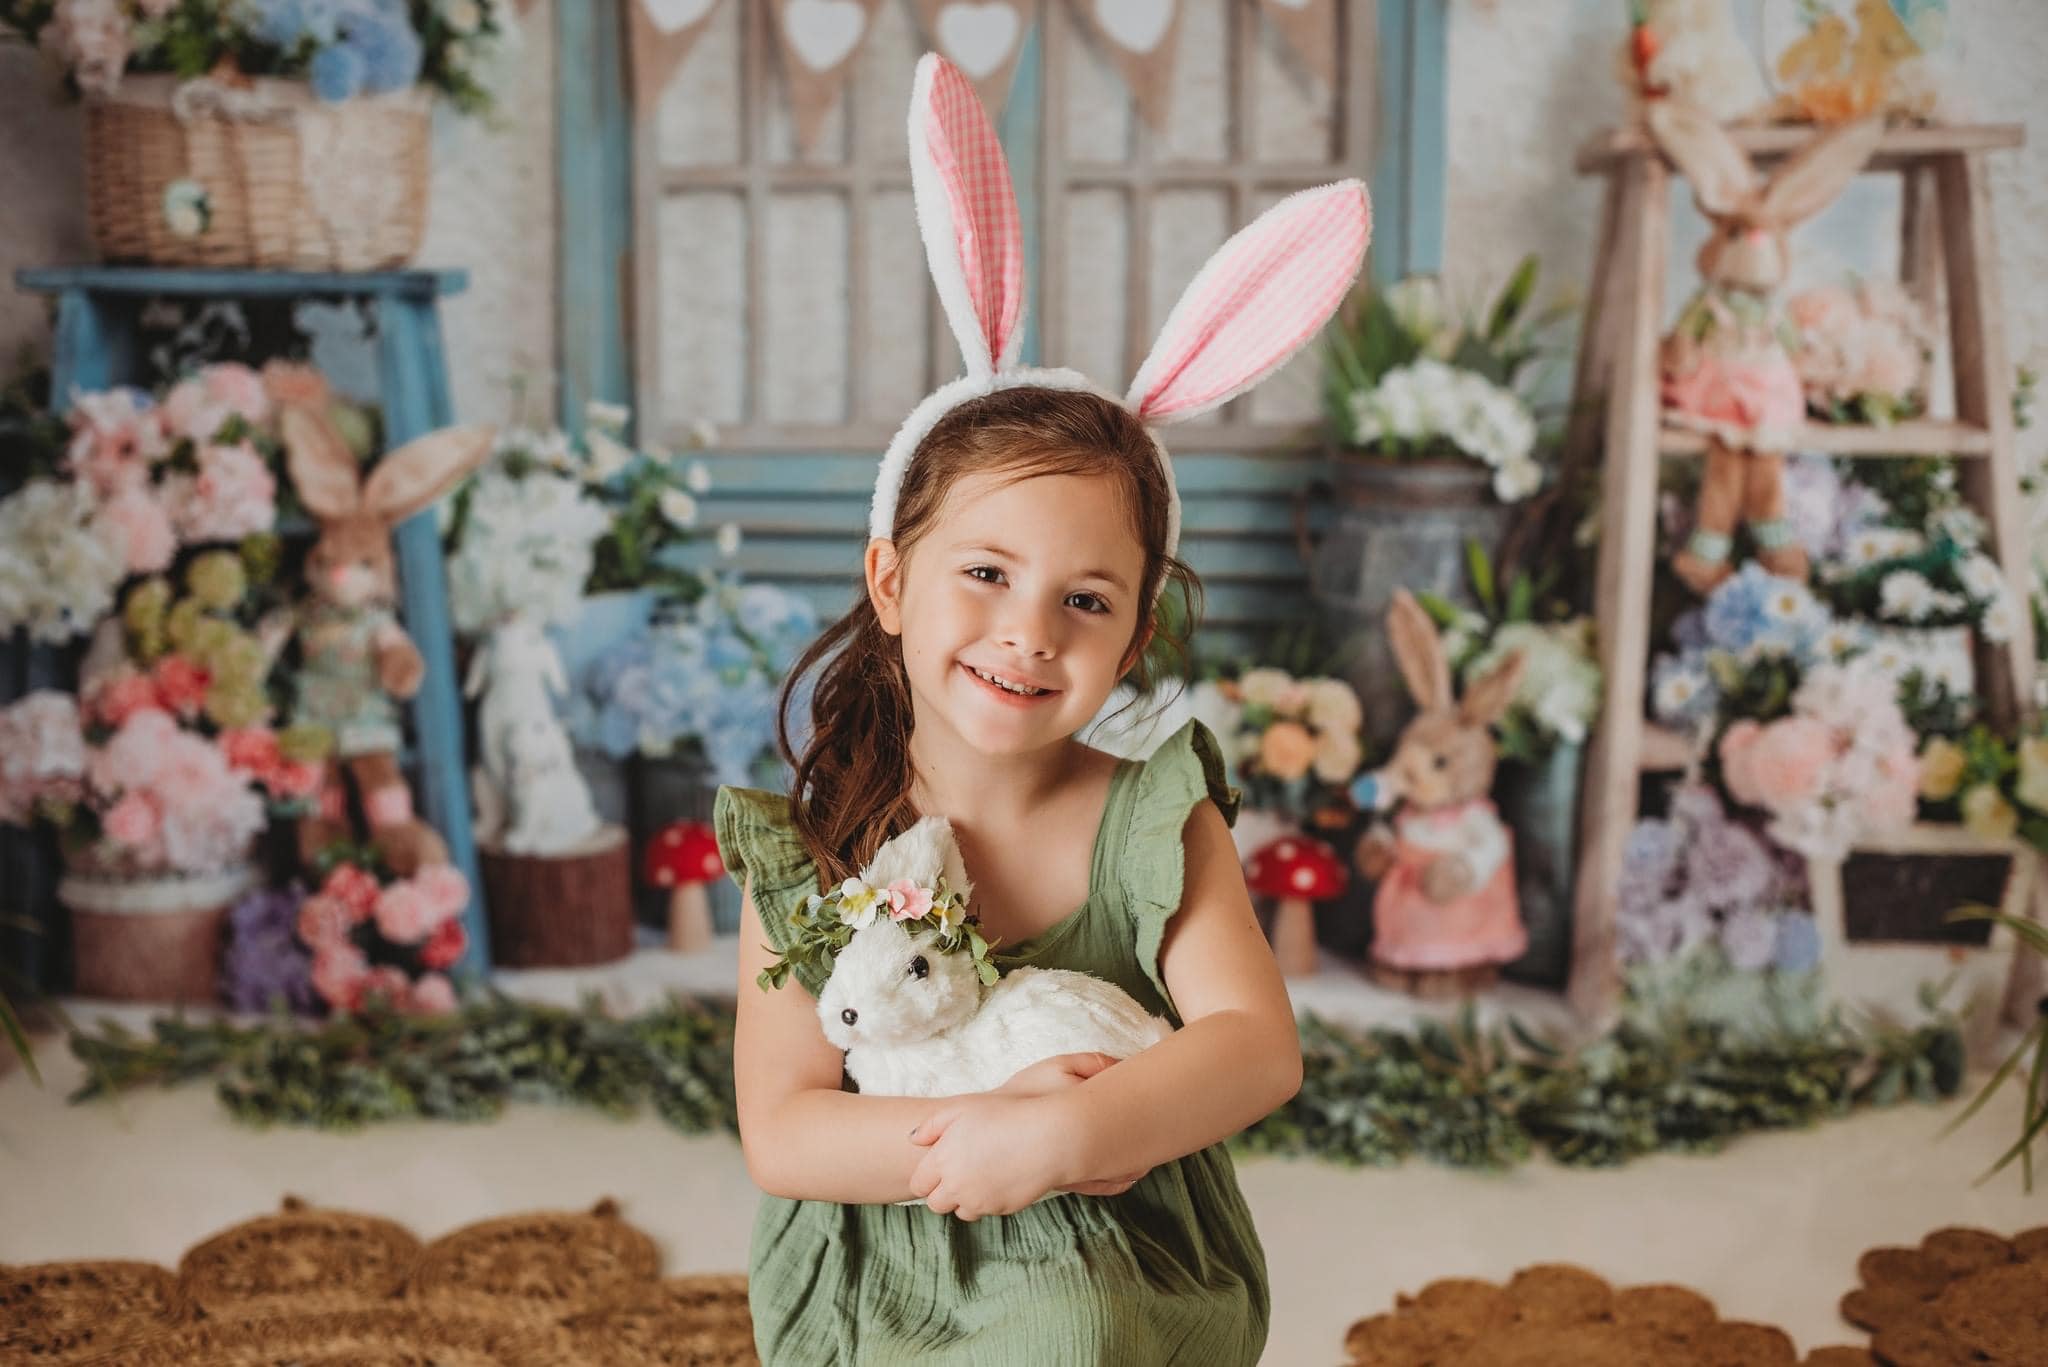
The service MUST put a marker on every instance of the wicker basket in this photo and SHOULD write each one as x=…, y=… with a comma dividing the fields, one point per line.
x=155, y=939
x=262, y=174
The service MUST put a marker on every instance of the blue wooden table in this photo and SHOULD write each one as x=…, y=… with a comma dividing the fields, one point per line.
x=97, y=312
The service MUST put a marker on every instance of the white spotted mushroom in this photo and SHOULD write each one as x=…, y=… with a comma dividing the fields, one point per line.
x=1298, y=870
x=683, y=857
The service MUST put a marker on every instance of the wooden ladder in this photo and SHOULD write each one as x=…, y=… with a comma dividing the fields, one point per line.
x=1616, y=423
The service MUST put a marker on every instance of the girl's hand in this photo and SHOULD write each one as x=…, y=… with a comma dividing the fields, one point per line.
x=993, y=1154
x=1055, y=1074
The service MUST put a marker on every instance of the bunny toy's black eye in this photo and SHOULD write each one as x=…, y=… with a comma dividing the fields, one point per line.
x=1442, y=761
x=920, y=967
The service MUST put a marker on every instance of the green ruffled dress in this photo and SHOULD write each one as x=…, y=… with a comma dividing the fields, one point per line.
x=1171, y=1272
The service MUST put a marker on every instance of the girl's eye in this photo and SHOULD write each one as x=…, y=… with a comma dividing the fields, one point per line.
x=978, y=571
x=920, y=967
x=1089, y=602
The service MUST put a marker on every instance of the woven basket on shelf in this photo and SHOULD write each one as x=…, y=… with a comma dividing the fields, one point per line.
x=257, y=174
x=154, y=939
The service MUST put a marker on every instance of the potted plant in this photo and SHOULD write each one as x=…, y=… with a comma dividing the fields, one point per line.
x=1433, y=442
x=286, y=134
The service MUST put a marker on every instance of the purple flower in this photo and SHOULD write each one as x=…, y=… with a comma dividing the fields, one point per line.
x=1749, y=937
x=1728, y=866
x=264, y=961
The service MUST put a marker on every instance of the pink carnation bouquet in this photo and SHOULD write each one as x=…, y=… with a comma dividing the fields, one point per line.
x=1863, y=351
x=374, y=938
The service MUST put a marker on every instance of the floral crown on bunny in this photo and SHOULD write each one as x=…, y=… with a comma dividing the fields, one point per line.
x=1257, y=301
x=917, y=879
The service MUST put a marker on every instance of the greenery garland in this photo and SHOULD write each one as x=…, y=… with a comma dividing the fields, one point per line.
x=1451, y=1093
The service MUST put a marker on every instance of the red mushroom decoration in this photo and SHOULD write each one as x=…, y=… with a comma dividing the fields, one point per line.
x=683, y=858
x=1298, y=870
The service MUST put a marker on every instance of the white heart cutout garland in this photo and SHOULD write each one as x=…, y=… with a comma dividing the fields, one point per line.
x=673, y=16
x=822, y=32
x=978, y=37
x=1135, y=24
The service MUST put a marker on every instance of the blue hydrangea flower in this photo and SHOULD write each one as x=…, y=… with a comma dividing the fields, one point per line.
x=337, y=72
x=1798, y=949
x=384, y=40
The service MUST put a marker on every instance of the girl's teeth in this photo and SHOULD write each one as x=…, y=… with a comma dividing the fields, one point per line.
x=1007, y=686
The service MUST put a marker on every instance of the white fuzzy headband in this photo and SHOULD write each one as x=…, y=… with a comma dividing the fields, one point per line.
x=1264, y=294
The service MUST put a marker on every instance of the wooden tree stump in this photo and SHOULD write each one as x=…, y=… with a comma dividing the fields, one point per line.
x=561, y=910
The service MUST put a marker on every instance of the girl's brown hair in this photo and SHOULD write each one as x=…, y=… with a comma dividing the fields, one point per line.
x=853, y=779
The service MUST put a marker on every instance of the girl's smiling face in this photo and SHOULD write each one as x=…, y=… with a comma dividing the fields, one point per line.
x=1018, y=610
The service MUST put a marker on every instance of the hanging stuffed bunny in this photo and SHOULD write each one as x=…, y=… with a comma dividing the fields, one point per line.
x=1726, y=368
x=355, y=657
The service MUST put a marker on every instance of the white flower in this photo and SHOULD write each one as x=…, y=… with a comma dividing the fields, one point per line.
x=1560, y=686
x=1267, y=687
x=1418, y=305
x=703, y=433
x=611, y=417
x=1999, y=620
x=528, y=545
x=608, y=455
x=859, y=904
x=1333, y=706
x=678, y=507
x=1905, y=596
x=1676, y=691
x=1981, y=576
x=697, y=476
x=1959, y=524
x=57, y=572
x=1517, y=480
x=1873, y=544
x=1338, y=754
x=729, y=539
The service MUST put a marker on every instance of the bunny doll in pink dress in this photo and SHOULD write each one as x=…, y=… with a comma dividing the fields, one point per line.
x=1445, y=915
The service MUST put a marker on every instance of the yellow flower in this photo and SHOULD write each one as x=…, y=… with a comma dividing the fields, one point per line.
x=1941, y=769
x=2033, y=785
x=1987, y=813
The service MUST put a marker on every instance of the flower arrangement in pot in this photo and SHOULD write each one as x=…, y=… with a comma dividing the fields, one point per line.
x=286, y=134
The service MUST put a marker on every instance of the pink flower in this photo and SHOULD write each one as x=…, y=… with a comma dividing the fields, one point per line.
x=251, y=749
x=181, y=684
x=1891, y=365
x=1891, y=800
x=1780, y=766
x=133, y=821
x=293, y=780
x=404, y=915
x=383, y=982
x=433, y=995
x=233, y=496
x=42, y=753
x=355, y=888
x=339, y=971
x=119, y=696
x=908, y=902
x=115, y=438
x=445, y=945
x=190, y=412
x=444, y=887
x=1830, y=310
x=238, y=389
x=134, y=755
x=134, y=524
x=324, y=922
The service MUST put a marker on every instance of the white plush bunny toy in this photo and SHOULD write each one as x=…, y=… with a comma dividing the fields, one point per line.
x=530, y=797
x=915, y=1021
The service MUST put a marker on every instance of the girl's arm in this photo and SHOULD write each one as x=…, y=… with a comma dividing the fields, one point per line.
x=1237, y=1056
x=803, y=1137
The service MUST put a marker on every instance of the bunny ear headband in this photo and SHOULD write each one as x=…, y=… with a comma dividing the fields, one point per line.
x=1264, y=293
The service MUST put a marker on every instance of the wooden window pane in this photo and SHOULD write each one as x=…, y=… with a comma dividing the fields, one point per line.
x=881, y=83
x=829, y=148
x=1297, y=118
x=703, y=307
x=805, y=310
x=1101, y=118
x=897, y=369
x=1198, y=126
x=1098, y=253
x=699, y=119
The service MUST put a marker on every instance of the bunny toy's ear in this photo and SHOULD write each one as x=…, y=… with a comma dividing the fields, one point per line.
x=420, y=472
x=1418, y=653
x=1811, y=178
x=1723, y=180
x=967, y=211
x=322, y=468
x=1488, y=697
x=1265, y=292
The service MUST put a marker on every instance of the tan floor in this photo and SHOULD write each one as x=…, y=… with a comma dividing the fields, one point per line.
x=1770, y=1229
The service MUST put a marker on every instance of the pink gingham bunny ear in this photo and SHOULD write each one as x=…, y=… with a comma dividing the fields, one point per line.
x=1265, y=293
x=967, y=211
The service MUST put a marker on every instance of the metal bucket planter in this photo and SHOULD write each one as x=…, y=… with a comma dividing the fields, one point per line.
x=1540, y=805
x=151, y=938
x=1395, y=523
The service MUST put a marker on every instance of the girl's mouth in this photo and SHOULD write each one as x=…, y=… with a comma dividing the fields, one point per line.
x=1012, y=695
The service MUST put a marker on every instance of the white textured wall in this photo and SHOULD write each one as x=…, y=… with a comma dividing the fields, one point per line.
x=493, y=213
x=1529, y=81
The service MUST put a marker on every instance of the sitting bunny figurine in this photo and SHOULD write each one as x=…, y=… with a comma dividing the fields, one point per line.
x=529, y=794
x=355, y=657
x=916, y=1021
x=1446, y=907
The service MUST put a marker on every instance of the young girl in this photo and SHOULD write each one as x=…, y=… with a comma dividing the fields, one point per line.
x=1024, y=525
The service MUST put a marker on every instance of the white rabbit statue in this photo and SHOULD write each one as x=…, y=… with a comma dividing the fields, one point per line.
x=530, y=797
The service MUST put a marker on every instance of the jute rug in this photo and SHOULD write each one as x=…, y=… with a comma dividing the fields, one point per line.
x=322, y=1287
x=1963, y=1298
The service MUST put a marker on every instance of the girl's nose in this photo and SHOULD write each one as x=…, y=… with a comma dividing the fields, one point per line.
x=1027, y=632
